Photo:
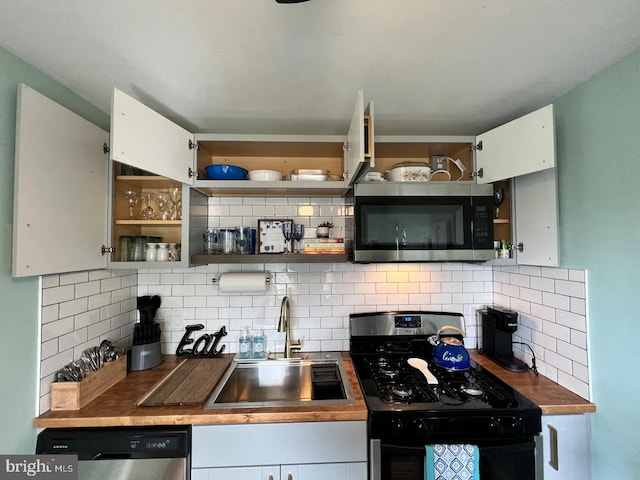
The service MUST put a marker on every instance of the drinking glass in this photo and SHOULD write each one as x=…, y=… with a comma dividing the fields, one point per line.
x=164, y=204
x=133, y=199
x=147, y=212
x=298, y=233
x=175, y=195
x=287, y=231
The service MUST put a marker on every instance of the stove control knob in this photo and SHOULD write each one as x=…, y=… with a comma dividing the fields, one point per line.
x=422, y=427
x=496, y=427
x=398, y=426
x=516, y=426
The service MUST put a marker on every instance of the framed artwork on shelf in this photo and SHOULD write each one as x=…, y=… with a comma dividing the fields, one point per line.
x=271, y=235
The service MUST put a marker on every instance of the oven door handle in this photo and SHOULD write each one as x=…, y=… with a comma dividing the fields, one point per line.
x=404, y=450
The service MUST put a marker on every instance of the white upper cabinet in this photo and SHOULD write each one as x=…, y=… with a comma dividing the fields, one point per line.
x=522, y=146
x=536, y=218
x=355, y=162
x=60, y=189
x=143, y=138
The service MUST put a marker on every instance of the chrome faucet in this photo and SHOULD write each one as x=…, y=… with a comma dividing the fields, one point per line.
x=284, y=325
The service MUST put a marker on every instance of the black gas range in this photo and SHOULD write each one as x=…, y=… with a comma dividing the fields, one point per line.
x=406, y=412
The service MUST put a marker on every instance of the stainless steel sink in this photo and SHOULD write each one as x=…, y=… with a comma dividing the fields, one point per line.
x=313, y=379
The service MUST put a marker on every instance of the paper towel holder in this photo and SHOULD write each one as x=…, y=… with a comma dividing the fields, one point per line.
x=216, y=280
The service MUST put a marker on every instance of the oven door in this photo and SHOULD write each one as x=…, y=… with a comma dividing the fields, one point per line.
x=500, y=459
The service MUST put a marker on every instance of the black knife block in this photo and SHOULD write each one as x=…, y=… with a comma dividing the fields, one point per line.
x=146, y=351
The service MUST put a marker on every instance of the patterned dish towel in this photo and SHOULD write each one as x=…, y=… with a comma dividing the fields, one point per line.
x=452, y=462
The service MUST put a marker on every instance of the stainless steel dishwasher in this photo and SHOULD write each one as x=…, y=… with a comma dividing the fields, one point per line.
x=138, y=453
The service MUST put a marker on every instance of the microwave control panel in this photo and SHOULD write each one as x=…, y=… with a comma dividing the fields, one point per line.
x=482, y=226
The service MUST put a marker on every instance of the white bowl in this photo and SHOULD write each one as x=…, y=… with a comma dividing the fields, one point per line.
x=265, y=175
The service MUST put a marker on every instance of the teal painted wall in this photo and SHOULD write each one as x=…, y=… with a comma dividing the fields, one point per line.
x=19, y=298
x=598, y=142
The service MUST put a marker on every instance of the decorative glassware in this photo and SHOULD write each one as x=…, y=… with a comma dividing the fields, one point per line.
x=175, y=195
x=133, y=199
x=164, y=204
x=298, y=233
x=147, y=212
x=287, y=231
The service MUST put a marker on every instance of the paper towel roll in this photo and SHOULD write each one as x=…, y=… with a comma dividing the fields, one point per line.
x=236, y=282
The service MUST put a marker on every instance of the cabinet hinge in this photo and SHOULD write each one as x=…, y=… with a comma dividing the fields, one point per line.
x=105, y=148
x=192, y=173
x=193, y=145
x=478, y=146
x=104, y=250
x=479, y=173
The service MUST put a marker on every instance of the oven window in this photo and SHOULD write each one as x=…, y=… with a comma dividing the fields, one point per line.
x=412, y=223
x=513, y=460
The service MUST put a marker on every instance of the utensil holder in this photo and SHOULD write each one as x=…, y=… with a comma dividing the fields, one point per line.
x=144, y=357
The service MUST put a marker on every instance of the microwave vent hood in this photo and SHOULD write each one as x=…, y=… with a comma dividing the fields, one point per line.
x=400, y=222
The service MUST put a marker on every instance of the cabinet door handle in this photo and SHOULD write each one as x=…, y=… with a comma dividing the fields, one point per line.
x=289, y=476
x=270, y=477
x=553, y=447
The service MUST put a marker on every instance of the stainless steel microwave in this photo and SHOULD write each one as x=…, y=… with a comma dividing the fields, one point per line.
x=421, y=222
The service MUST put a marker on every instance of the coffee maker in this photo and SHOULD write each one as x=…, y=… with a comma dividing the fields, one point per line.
x=498, y=325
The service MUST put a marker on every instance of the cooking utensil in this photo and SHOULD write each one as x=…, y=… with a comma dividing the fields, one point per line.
x=423, y=366
x=449, y=352
x=225, y=172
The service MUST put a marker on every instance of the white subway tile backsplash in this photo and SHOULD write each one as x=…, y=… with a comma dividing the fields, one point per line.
x=557, y=273
x=543, y=284
x=50, y=313
x=577, y=276
x=57, y=294
x=557, y=331
x=572, y=320
x=578, y=305
x=571, y=351
x=80, y=310
x=555, y=301
x=73, y=307
x=556, y=322
x=572, y=289
x=74, y=277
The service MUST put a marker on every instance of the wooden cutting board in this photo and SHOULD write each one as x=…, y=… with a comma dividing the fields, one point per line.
x=189, y=383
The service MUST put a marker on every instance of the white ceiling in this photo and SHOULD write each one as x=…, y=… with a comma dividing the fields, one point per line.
x=256, y=66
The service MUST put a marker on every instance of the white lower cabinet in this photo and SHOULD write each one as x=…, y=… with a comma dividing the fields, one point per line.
x=280, y=451
x=566, y=447
x=237, y=473
x=346, y=471
x=319, y=471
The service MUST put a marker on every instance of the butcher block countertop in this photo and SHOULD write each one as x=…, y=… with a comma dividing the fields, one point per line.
x=552, y=398
x=118, y=405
